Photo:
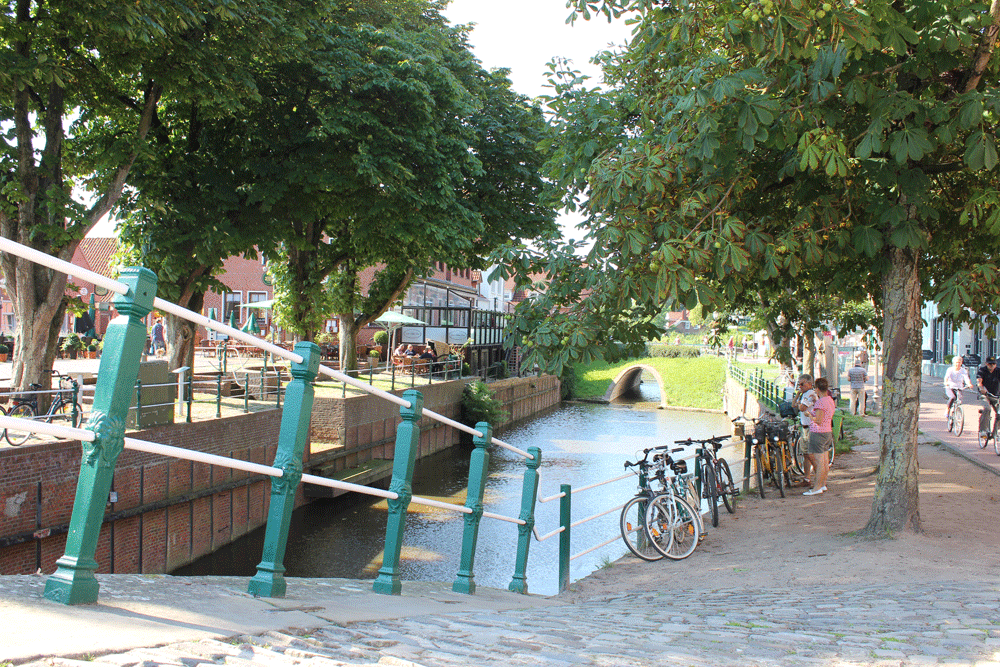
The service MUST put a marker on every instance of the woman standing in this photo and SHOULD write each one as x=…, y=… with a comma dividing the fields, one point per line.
x=821, y=435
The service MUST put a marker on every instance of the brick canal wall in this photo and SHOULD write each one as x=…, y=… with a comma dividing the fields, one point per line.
x=170, y=512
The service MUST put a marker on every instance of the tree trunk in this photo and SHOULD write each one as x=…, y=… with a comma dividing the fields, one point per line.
x=348, y=342
x=809, y=356
x=181, y=333
x=895, y=507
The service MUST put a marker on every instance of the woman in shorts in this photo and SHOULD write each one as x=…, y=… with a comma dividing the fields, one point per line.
x=821, y=435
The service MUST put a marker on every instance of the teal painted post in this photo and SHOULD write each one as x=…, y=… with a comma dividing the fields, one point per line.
x=73, y=581
x=190, y=396
x=565, y=519
x=246, y=393
x=529, y=493
x=270, y=578
x=138, y=403
x=218, y=397
x=407, y=442
x=479, y=463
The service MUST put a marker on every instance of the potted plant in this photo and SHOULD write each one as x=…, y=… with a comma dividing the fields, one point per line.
x=4, y=351
x=92, y=351
x=381, y=339
x=72, y=345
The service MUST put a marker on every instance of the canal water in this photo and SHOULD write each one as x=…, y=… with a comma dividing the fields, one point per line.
x=581, y=444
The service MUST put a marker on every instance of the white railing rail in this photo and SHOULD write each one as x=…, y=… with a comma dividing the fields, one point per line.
x=14, y=248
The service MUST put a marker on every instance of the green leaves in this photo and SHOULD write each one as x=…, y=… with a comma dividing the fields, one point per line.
x=909, y=144
x=980, y=151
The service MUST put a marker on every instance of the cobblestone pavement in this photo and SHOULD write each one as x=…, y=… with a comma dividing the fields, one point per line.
x=946, y=623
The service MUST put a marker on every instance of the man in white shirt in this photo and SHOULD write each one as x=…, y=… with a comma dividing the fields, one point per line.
x=858, y=377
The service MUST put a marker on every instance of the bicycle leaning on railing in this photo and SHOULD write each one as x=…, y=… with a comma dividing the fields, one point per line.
x=64, y=408
x=673, y=518
x=716, y=478
x=633, y=517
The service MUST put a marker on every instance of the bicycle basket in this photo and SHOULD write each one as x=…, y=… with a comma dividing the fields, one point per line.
x=786, y=409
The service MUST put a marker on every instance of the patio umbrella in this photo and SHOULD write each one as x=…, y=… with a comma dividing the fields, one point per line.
x=213, y=314
x=392, y=321
x=234, y=319
x=251, y=326
x=259, y=304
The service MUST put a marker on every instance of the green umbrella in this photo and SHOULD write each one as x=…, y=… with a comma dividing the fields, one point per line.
x=234, y=319
x=213, y=314
x=251, y=325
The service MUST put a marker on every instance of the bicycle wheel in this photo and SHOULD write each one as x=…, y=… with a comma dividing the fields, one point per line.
x=797, y=450
x=759, y=465
x=996, y=443
x=710, y=489
x=633, y=520
x=984, y=439
x=64, y=415
x=727, y=488
x=958, y=419
x=778, y=471
x=22, y=411
x=671, y=525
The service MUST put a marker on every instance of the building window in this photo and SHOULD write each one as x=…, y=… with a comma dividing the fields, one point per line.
x=232, y=301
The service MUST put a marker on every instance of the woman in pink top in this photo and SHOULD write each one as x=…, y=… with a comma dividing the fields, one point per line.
x=821, y=435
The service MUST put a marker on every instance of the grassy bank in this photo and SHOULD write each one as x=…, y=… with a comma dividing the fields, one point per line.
x=689, y=383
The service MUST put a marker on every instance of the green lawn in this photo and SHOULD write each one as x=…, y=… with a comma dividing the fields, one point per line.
x=690, y=383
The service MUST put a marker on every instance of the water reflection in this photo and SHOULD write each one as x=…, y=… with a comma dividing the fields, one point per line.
x=581, y=444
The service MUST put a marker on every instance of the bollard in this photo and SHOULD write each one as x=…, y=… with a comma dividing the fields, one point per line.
x=529, y=493
x=270, y=580
x=407, y=442
x=73, y=581
x=565, y=519
x=479, y=463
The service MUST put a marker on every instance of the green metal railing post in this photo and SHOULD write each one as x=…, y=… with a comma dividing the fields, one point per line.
x=746, y=462
x=565, y=519
x=261, y=394
x=407, y=442
x=270, y=578
x=529, y=494
x=218, y=397
x=76, y=397
x=190, y=396
x=277, y=387
x=479, y=463
x=246, y=392
x=73, y=581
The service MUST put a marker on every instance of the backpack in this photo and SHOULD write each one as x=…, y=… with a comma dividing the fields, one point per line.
x=786, y=409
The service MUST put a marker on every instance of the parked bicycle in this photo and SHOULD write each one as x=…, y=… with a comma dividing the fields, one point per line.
x=988, y=434
x=63, y=408
x=673, y=518
x=956, y=414
x=632, y=521
x=716, y=478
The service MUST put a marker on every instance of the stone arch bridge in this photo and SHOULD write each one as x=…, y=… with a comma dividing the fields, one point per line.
x=629, y=380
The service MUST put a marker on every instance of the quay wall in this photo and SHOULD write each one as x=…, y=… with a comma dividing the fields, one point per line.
x=169, y=512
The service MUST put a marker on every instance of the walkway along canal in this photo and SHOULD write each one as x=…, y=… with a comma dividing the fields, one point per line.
x=581, y=444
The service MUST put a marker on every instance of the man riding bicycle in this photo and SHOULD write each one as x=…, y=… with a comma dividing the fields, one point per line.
x=988, y=379
x=955, y=379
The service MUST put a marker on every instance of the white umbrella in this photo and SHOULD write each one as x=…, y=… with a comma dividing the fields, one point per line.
x=393, y=320
x=258, y=304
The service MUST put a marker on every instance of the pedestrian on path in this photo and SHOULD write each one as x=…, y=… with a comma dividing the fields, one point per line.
x=858, y=377
x=805, y=402
x=158, y=337
x=821, y=435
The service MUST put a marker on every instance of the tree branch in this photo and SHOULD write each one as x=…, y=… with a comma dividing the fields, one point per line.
x=984, y=51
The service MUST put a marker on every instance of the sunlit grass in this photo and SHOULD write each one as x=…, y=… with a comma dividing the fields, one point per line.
x=690, y=382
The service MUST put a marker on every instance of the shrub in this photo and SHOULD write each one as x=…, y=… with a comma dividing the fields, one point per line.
x=72, y=342
x=672, y=351
x=381, y=338
x=326, y=338
x=567, y=383
x=479, y=405
x=4, y=349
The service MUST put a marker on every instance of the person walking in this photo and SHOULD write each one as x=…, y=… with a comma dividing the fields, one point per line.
x=955, y=379
x=158, y=337
x=821, y=435
x=858, y=377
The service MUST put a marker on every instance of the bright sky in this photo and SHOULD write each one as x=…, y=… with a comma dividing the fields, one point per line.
x=523, y=35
